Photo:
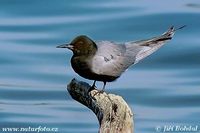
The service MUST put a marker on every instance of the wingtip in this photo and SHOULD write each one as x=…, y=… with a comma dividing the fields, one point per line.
x=181, y=27
x=169, y=32
x=172, y=28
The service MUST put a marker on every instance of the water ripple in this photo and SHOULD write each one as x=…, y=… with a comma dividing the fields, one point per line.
x=34, y=74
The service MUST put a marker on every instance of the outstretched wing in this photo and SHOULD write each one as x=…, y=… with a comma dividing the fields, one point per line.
x=112, y=59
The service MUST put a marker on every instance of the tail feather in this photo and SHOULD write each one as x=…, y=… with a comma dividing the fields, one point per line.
x=164, y=37
x=160, y=39
x=149, y=46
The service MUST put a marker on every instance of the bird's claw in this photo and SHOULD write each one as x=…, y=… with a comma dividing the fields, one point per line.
x=98, y=93
x=95, y=93
x=91, y=88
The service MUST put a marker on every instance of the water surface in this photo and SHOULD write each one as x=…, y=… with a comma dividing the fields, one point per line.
x=163, y=89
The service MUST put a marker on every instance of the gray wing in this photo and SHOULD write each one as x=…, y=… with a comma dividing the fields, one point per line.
x=112, y=59
x=109, y=59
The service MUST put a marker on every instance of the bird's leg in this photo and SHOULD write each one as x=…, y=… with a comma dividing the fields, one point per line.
x=104, y=85
x=101, y=91
x=93, y=86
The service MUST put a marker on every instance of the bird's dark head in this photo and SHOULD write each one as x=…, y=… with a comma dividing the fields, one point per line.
x=81, y=45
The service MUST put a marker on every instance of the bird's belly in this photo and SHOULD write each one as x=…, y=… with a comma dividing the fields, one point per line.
x=83, y=68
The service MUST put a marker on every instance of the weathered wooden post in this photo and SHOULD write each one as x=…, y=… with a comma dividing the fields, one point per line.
x=113, y=113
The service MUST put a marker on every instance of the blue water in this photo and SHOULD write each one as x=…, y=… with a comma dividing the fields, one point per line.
x=163, y=89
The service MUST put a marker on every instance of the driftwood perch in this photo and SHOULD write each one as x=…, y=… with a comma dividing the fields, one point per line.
x=113, y=113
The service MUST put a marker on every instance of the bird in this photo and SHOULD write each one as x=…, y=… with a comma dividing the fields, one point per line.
x=105, y=61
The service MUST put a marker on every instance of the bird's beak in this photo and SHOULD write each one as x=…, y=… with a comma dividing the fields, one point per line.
x=65, y=46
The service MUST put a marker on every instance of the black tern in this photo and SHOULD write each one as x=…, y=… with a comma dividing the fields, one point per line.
x=106, y=60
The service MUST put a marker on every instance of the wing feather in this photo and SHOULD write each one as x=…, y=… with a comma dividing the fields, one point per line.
x=113, y=59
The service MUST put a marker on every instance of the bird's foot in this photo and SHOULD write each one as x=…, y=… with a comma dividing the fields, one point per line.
x=98, y=92
x=91, y=88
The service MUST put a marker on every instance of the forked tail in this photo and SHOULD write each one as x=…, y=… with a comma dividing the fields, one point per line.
x=149, y=46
